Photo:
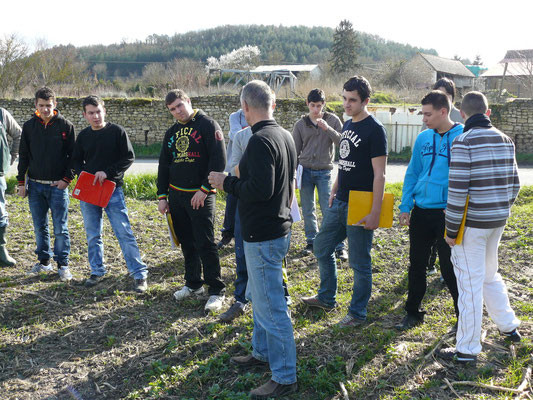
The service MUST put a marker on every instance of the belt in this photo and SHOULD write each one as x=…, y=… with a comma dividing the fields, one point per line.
x=40, y=181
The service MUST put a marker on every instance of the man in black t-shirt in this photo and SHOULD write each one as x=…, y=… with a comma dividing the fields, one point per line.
x=363, y=157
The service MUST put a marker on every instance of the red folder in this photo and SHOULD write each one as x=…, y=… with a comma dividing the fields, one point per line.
x=97, y=194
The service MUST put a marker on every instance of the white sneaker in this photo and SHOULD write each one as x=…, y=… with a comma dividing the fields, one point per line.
x=186, y=291
x=215, y=302
x=38, y=268
x=64, y=273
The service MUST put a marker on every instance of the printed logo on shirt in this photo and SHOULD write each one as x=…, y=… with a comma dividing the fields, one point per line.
x=344, y=148
x=179, y=145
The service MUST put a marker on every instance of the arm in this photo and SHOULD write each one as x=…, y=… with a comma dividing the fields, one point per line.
x=237, y=151
x=333, y=130
x=13, y=129
x=334, y=189
x=411, y=178
x=24, y=161
x=163, y=173
x=216, y=152
x=297, y=136
x=68, y=175
x=127, y=156
x=371, y=221
x=516, y=181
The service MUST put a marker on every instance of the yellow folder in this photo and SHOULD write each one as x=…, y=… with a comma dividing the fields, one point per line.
x=171, y=232
x=360, y=205
x=461, y=231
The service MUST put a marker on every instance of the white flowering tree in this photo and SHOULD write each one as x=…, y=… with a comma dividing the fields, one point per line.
x=245, y=57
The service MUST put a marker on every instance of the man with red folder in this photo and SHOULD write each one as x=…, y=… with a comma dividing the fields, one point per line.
x=104, y=149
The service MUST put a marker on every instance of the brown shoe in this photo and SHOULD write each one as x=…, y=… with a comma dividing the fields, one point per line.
x=273, y=389
x=248, y=361
x=313, y=301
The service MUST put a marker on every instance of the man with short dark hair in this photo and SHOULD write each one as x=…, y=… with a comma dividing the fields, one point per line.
x=315, y=136
x=425, y=190
x=483, y=169
x=192, y=148
x=362, y=162
x=265, y=189
x=104, y=150
x=8, y=126
x=46, y=147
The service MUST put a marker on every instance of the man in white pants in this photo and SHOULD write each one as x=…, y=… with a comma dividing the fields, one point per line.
x=483, y=167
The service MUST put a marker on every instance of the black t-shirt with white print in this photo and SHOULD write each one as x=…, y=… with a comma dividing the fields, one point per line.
x=360, y=142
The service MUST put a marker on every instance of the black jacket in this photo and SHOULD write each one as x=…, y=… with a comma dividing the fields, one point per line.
x=189, y=152
x=46, y=149
x=265, y=187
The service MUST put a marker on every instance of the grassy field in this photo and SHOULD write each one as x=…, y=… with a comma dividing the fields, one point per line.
x=64, y=341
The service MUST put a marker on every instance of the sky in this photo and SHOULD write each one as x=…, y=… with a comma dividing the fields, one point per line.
x=454, y=27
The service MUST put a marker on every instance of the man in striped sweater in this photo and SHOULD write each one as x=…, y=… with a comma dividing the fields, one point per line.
x=483, y=167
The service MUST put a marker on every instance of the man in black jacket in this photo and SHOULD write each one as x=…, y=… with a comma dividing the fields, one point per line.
x=192, y=147
x=265, y=187
x=104, y=150
x=45, y=152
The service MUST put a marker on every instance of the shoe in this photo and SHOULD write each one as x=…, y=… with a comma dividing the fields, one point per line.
x=214, y=303
x=309, y=248
x=248, y=361
x=39, y=267
x=226, y=239
x=5, y=259
x=93, y=280
x=140, y=285
x=410, y=321
x=341, y=255
x=273, y=389
x=348, y=321
x=233, y=312
x=313, y=301
x=64, y=273
x=451, y=354
x=513, y=336
x=186, y=291
x=432, y=271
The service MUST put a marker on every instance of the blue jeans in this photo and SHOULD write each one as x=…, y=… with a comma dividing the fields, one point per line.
x=333, y=230
x=41, y=198
x=273, y=338
x=321, y=179
x=240, y=260
x=118, y=217
x=3, y=211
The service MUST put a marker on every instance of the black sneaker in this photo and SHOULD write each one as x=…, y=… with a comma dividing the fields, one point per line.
x=451, y=354
x=140, y=285
x=233, y=312
x=93, y=280
x=513, y=336
x=341, y=255
x=309, y=248
x=410, y=321
x=226, y=239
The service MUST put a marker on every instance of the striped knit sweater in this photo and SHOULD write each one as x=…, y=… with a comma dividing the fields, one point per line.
x=483, y=166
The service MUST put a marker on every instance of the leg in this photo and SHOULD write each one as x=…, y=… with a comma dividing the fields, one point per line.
x=5, y=259
x=59, y=201
x=307, y=200
x=228, y=226
x=332, y=231
x=117, y=213
x=92, y=220
x=3, y=211
x=240, y=260
x=323, y=186
x=271, y=315
x=38, y=202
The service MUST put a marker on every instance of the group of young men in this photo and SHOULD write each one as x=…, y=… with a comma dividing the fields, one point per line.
x=452, y=166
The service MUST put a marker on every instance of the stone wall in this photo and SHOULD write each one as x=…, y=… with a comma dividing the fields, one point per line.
x=516, y=120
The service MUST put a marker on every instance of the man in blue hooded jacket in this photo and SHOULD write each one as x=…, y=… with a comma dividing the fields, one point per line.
x=425, y=192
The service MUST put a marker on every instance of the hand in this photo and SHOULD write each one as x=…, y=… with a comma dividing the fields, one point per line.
x=22, y=191
x=237, y=171
x=450, y=241
x=404, y=219
x=100, y=176
x=163, y=206
x=322, y=124
x=198, y=199
x=370, y=222
x=216, y=179
x=61, y=185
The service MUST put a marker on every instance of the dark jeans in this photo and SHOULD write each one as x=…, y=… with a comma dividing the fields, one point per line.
x=229, y=215
x=425, y=229
x=242, y=273
x=195, y=231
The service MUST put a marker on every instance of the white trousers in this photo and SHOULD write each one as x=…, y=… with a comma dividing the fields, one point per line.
x=475, y=263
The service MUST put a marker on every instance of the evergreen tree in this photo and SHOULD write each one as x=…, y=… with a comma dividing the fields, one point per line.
x=345, y=48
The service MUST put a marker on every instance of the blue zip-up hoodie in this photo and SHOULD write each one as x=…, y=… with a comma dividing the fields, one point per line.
x=426, y=179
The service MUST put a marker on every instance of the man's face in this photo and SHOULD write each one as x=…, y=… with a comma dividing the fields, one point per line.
x=45, y=108
x=433, y=118
x=315, y=108
x=95, y=116
x=180, y=109
x=352, y=103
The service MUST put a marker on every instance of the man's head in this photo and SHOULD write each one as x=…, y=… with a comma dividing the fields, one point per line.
x=316, y=100
x=447, y=86
x=257, y=101
x=356, y=95
x=94, y=111
x=45, y=102
x=436, y=110
x=179, y=105
x=474, y=103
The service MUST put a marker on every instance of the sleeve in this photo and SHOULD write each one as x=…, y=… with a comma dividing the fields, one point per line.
x=163, y=169
x=216, y=152
x=13, y=129
x=24, y=155
x=459, y=182
x=77, y=161
x=335, y=129
x=411, y=178
x=260, y=170
x=126, y=157
x=516, y=180
x=297, y=136
x=378, y=142
x=71, y=140
x=237, y=150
